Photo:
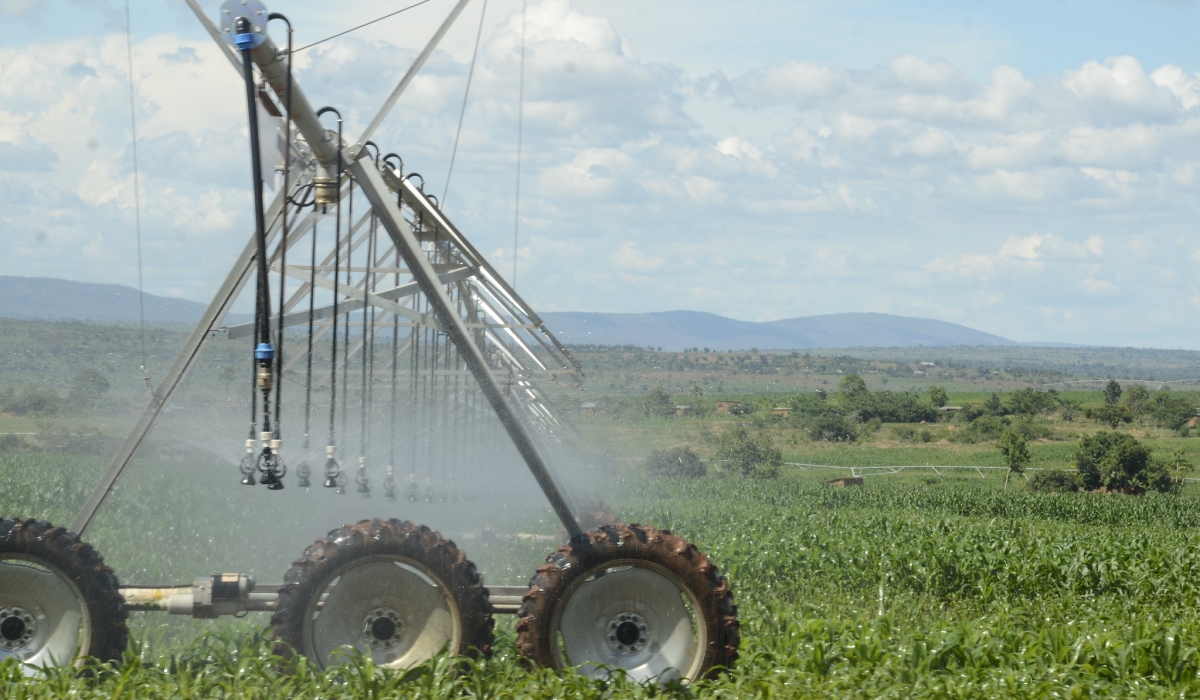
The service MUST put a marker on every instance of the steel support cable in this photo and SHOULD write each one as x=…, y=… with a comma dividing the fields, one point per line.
x=520, y=137
x=137, y=197
x=365, y=24
x=463, y=112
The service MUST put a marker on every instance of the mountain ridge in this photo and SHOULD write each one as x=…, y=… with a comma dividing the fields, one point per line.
x=43, y=298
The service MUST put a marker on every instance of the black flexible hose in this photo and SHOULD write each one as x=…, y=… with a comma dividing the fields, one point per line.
x=337, y=252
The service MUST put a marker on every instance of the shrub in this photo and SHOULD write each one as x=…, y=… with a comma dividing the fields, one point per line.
x=1054, y=480
x=985, y=427
x=1031, y=430
x=31, y=400
x=677, y=461
x=750, y=455
x=813, y=404
x=831, y=428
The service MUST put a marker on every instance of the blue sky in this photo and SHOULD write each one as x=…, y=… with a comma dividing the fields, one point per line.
x=1028, y=169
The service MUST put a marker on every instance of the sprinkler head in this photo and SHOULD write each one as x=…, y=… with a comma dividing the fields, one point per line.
x=271, y=467
x=365, y=489
x=247, y=469
x=332, y=471
x=341, y=486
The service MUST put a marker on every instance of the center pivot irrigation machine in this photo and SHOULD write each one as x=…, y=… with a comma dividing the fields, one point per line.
x=431, y=318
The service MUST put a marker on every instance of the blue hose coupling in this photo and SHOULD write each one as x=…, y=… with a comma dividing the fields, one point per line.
x=264, y=351
x=245, y=41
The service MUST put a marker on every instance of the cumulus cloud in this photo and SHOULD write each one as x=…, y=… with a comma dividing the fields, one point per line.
x=794, y=188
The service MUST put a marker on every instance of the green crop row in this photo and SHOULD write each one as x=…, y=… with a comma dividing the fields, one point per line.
x=898, y=588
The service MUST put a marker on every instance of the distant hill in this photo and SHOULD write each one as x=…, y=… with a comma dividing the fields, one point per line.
x=43, y=298
x=675, y=330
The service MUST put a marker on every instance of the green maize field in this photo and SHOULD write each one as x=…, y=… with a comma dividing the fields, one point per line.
x=911, y=586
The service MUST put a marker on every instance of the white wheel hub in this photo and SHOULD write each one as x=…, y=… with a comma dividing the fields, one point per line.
x=17, y=628
x=632, y=615
x=628, y=633
x=384, y=607
x=383, y=628
x=43, y=616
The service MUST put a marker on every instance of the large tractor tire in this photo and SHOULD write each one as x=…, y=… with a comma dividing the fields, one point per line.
x=391, y=590
x=630, y=597
x=59, y=603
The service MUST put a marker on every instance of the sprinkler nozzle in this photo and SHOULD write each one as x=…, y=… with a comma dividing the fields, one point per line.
x=247, y=465
x=333, y=470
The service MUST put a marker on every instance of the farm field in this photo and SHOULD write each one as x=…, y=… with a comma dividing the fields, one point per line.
x=924, y=583
x=910, y=586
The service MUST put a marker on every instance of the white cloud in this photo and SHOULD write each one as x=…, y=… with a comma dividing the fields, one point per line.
x=18, y=9
x=909, y=184
x=629, y=258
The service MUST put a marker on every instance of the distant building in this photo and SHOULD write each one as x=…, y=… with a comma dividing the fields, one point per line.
x=681, y=411
x=781, y=411
x=725, y=406
x=587, y=409
x=918, y=373
x=950, y=408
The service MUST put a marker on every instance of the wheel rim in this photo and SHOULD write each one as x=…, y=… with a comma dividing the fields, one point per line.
x=43, y=616
x=391, y=609
x=633, y=615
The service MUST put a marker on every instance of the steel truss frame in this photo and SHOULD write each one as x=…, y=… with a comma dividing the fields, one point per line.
x=492, y=329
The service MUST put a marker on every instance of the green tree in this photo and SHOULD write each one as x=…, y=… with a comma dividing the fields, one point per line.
x=937, y=396
x=700, y=407
x=1118, y=462
x=1015, y=450
x=1112, y=392
x=1171, y=410
x=993, y=404
x=852, y=386
x=1030, y=402
x=657, y=402
x=1137, y=399
x=88, y=387
x=748, y=454
x=1110, y=414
